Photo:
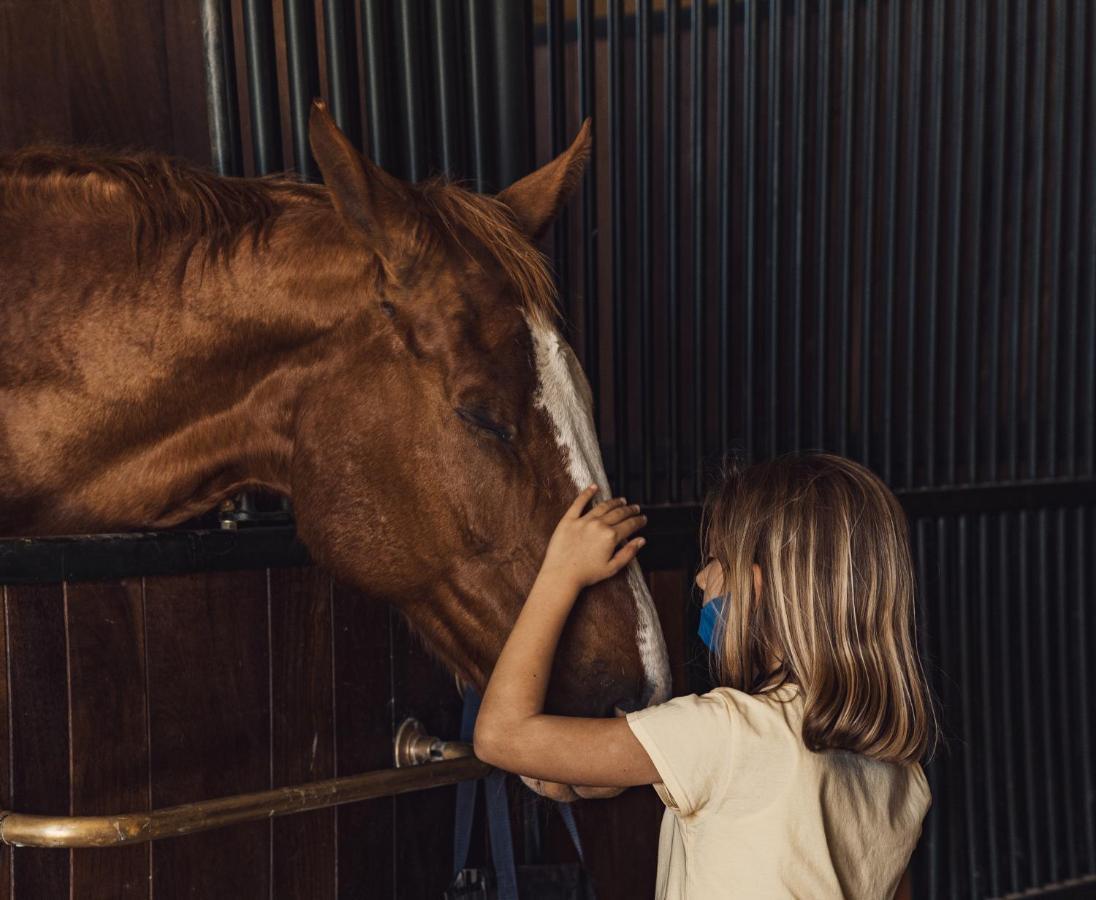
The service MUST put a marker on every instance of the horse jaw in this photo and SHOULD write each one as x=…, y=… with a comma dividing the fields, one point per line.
x=564, y=394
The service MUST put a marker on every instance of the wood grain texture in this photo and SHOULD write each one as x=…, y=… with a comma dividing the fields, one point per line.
x=108, y=729
x=38, y=691
x=209, y=717
x=363, y=717
x=303, y=735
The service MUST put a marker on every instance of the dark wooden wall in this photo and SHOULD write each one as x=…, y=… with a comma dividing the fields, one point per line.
x=150, y=692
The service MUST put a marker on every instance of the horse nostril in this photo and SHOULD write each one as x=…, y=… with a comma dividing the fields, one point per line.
x=628, y=705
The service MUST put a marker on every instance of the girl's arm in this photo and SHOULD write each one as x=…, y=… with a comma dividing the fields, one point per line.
x=512, y=731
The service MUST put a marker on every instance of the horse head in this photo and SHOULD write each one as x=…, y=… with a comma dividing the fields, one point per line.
x=452, y=427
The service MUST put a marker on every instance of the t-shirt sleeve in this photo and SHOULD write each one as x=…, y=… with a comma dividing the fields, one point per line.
x=689, y=742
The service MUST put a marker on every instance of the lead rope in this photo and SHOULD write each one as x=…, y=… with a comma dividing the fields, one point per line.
x=498, y=815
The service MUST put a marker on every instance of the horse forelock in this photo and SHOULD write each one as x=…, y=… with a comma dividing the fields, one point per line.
x=564, y=396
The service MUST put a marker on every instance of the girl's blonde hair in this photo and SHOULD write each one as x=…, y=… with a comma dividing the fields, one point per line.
x=835, y=614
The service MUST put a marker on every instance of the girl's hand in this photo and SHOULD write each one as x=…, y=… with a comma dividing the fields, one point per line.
x=588, y=548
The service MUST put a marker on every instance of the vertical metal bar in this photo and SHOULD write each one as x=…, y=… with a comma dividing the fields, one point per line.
x=1064, y=741
x=976, y=337
x=220, y=83
x=1055, y=286
x=671, y=124
x=868, y=207
x=262, y=85
x=477, y=55
x=342, y=82
x=1007, y=626
x=448, y=115
x=1083, y=556
x=512, y=103
x=1046, y=701
x=375, y=42
x=935, y=115
x=1034, y=246
x=775, y=25
x=750, y=299
x=996, y=267
x=643, y=240
x=988, y=679
x=929, y=625
x=958, y=124
x=949, y=863
x=969, y=808
x=409, y=80
x=1031, y=792
x=304, y=79
x=890, y=236
x=723, y=190
x=825, y=40
x=1073, y=290
x=587, y=102
x=1019, y=129
x=799, y=59
x=1089, y=401
x=557, y=126
x=917, y=17
x=616, y=175
x=699, y=137
x=848, y=115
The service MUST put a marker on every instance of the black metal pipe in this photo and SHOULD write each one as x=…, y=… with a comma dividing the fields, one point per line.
x=616, y=201
x=448, y=120
x=1035, y=245
x=262, y=86
x=997, y=240
x=512, y=102
x=1073, y=291
x=1055, y=286
x=936, y=111
x=917, y=16
x=1031, y=790
x=822, y=178
x=342, y=80
x=890, y=237
x=644, y=245
x=749, y=140
x=411, y=89
x=375, y=45
x=723, y=192
x=1067, y=726
x=976, y=416
x=697, y=81
x=1011, y=601
x=988, y=659
x=477, y=35
x=868, y=216
x=587, y=99
x=1089, y=402
x=799, y=66
x=775, y=150
x=673, y=325
x=220, y=81
x=303, y=74
x=555, y=38
x=969, y=809
x=848, y=114
x=1085, y=560
x=1051, y=803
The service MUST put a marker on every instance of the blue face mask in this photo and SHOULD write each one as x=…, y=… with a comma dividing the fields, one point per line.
x=711, y=621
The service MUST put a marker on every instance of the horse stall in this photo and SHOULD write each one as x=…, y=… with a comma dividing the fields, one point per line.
x=866, y=226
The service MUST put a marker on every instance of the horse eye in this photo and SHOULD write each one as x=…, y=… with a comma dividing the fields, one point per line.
x=482, y=420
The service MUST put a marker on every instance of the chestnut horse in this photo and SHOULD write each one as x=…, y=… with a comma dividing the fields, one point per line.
x=383, y=353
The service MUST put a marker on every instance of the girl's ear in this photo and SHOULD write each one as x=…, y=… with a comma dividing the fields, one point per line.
x=537, y=198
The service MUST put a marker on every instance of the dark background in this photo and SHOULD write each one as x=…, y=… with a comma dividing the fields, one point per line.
x=868, y=227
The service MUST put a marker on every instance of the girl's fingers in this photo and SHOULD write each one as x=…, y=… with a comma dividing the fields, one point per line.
x=625, y=555
x=620, y=513
x=629, y=527
x=605, y=507
x=576, y=508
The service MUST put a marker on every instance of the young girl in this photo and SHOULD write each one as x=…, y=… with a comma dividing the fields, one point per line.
x=799, y=776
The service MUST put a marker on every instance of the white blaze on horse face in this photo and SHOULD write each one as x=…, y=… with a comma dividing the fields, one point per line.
x=564, y=394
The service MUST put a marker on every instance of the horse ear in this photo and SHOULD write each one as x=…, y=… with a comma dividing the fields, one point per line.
x=363, y=192
x=537, y=198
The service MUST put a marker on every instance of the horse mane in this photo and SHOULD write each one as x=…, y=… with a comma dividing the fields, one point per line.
x=164, y=197
x=170, y=198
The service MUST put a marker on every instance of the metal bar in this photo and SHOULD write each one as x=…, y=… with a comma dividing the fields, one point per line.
x=697, y=82
x=1089, y=401
x=868, y=208
x=512, y=104
x=1019, y=128
x=848, y=114
x=775, y=24
x=799, y=53
x=1006, y=583
x=917, y=17
x=557, y=126
x=587, y=100
x=976, y=422
x=476, y=56
x=1084, y=557
x=954, y=317
x=1030, y=789
x=342, y=81
x=375, y=43
x=673, y=324
x=970, y=810
x=723, y=191
x=262, y=86
x=1054, y=280
x=220, y=82
x=1035, y=245
x=996, y=266
x=825, y=36
x=1046, y=701
x=931, y=840
x=988, y=677
x=409, y=79
x=890, y=236
x=616, y=200
x=304, y=79
x=948, y=863
x=448, y=115
x=750, y=299
x=643, y=240
x=1064, y=741
x=936, y=108
x=22, y=830
x=1073, y=291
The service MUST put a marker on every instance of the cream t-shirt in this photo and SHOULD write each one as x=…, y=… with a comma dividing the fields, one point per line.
x=752, y=813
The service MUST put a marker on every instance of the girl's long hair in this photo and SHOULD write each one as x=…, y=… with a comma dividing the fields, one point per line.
x=836, y=609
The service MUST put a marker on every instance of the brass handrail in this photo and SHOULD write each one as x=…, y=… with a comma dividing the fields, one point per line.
x=456, y=764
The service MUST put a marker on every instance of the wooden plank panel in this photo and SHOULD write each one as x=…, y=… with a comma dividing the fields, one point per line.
x=185, y=73
x=39, y=721
x=303, y=736
x=423, y=826
x=109, y=729
x=209, y=718
x=363, y=741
